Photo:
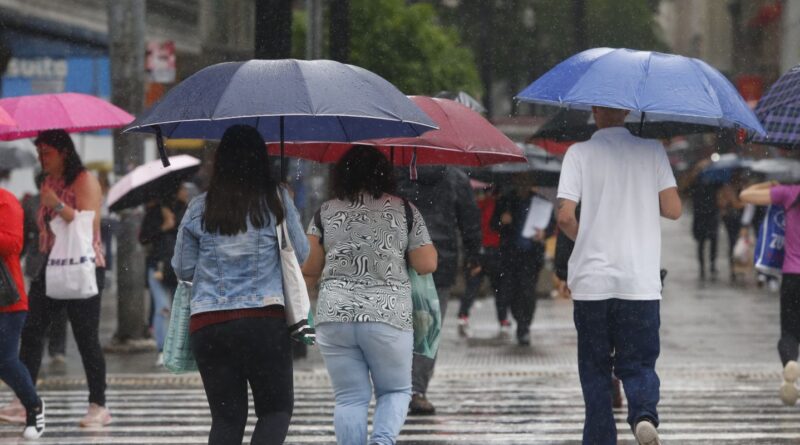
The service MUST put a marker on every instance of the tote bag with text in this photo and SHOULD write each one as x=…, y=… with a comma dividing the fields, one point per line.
x=70, y=269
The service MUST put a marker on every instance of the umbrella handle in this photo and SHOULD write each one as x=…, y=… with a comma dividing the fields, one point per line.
x=641, y=125
x=162, y=151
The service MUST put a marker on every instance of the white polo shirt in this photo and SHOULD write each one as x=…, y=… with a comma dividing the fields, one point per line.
x=617, y=178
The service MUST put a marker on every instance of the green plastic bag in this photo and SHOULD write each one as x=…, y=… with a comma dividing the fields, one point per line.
x=178, y=355
x=427, y=314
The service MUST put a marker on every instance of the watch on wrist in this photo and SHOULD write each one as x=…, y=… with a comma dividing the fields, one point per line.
x=59, y=207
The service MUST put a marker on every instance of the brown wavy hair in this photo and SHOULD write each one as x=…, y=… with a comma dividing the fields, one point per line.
x=363, y=169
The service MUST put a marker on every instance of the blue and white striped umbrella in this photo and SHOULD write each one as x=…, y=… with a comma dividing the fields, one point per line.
x=779, y=111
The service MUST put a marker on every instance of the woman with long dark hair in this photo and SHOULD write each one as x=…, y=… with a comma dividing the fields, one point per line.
x=68, y=188
x=359, y=245
x=787, y=197
x=227, y=247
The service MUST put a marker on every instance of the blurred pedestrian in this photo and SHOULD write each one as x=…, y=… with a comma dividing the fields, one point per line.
x=521, y=257
x=34, y=263
x=361, y=245
x=67, y=189
x=730, y=208
x=788, y=198
x=490, y=266
x=623, y=184
x=157, y=235
x=705, y=219
x=12, y=318
x=227, y=247
x=444, y=197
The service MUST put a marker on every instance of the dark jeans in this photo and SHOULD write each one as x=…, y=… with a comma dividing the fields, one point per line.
x=57, y=334
x=490, y=267
x=12, y=371
x=517, y=287
x=421, y=366
x=733, y=224
x=790, y=318
x=84, y=316
x=629, y=329
x=231, y=354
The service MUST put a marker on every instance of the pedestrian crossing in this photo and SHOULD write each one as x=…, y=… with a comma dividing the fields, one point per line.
x=478, y=410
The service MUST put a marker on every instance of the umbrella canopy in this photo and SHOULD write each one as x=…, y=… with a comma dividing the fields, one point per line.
x=722, y=169
x=542, y=166
x=778, y=169
x=464, y=99
x=578, y=125
x=13, y=157
x=464, y=137
x=72, y=112
x=663, y=87
x=779, y=111
x=286, y=100
x=6, y=119
x=150, y=181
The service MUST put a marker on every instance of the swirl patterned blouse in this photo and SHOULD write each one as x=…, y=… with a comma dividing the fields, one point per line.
x=365, y=277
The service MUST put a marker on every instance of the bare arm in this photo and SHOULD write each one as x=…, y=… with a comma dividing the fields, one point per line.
x=312, y=267
x=670, y=203
x=567, y=221
x=758, y=194
x=424, y=259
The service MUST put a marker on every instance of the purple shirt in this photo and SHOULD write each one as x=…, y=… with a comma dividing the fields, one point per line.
x=785, y=196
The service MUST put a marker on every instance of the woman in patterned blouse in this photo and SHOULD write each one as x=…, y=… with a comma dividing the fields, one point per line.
x=361, y=243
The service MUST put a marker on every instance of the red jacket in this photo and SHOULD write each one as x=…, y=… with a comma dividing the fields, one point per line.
x=11, y=245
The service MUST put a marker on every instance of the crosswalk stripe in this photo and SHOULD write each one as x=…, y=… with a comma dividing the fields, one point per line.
x=478, y=412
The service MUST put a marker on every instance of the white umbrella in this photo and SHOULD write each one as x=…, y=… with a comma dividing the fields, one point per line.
x=151, y=180
x=778, y=169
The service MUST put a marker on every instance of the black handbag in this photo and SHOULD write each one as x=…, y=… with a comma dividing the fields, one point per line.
x=9, y=294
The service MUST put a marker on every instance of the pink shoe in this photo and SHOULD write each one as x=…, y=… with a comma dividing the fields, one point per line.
x=97, y=416
x=13, y=412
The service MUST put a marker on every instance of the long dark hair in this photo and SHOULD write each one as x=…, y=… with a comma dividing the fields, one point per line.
x=241, y=186
x=60, y=140
x=363, y=169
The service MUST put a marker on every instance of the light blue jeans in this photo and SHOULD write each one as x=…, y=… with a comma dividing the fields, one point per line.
x=353, y=353
x=161, y=307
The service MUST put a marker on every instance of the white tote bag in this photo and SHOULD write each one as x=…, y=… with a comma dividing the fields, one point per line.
x=295, y=294
x=70, y=270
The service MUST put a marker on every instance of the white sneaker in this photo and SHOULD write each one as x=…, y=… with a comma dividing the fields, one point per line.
x=505, y=330
x=96, y=416
x=34, y=424
x=463, y=327
x=791, y=372
x=646, y=433
x=160, y=360
x=13, y=412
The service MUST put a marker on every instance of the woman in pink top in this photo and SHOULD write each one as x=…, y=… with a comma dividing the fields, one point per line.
x=68, y=188
x=788, y=197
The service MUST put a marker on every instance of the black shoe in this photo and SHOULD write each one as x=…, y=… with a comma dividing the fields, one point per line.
x=34, y=422
x=524, y=339
x=420, y=406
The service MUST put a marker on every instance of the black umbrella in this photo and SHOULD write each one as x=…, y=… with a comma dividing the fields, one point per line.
x=151, y=181
x=13, y=157
x=578, y=125
x=542, y=168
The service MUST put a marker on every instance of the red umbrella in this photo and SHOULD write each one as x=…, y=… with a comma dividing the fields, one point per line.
x=73, y=112
x=464, y=137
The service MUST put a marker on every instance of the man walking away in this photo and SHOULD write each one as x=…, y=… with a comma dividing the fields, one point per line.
x=445, y=200
x=623, y=183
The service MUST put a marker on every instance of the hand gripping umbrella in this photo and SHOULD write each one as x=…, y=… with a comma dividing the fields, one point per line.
x=151, y=180
x=779, y=111
x=464, y=138
x=286, y=100
x=72, y=112
x=661, y=87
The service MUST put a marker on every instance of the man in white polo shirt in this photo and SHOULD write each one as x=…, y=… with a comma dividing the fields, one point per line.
x=624, y=185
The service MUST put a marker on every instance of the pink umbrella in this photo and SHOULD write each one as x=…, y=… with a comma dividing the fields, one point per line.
x=464, y=137
x=73, y=112
x=6, y=119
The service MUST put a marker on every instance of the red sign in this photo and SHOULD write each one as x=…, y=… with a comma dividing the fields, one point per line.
x=751, y=87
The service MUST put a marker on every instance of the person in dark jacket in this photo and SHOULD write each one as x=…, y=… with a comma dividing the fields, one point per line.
x=444, y=198
x=521, y=259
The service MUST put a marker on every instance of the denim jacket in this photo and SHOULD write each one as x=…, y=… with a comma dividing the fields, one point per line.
x=234, y=272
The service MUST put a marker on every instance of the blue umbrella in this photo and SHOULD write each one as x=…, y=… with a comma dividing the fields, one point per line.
x=286, y=100
x=779, y=111
x=660, y=86
x=722, y=168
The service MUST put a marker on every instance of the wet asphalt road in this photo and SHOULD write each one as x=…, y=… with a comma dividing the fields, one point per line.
x=719, y=369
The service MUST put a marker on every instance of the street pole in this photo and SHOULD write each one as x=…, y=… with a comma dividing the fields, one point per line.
x=126, y=37
x=314, y=39
x=273, y=31
x=339, y=30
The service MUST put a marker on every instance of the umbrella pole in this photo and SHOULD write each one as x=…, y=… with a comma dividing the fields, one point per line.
x=641, y=125
x=162, y=151
x=283, y=173
x=391, y=155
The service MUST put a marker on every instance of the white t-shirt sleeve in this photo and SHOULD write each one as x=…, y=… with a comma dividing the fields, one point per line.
x=570, y=182
x=666, y=179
